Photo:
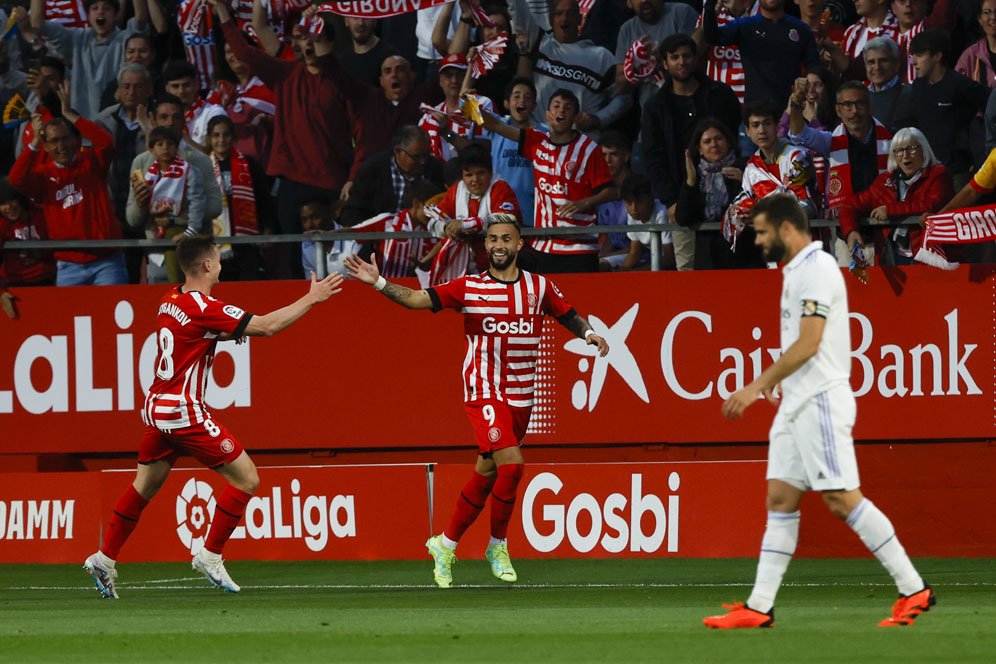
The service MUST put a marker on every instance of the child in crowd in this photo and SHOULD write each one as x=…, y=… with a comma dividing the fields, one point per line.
x=643, y=208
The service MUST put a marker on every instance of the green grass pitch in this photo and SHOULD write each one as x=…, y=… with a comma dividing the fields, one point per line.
x=561, y=610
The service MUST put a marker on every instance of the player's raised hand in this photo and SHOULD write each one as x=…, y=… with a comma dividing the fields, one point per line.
x=7, y=304
x=600, y=343
x=361, y=270
x=326, y=288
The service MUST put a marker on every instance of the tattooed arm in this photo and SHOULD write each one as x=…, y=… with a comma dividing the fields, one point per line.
x=369, y=274
x=583, y=330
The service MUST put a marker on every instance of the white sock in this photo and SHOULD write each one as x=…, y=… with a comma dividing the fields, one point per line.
x=447, y=542
x=494, y=541
x=777, y=546
x=104, y=560
x=876, y=531
x=210, y=556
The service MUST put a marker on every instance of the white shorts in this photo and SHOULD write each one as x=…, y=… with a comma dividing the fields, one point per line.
x=812, y=448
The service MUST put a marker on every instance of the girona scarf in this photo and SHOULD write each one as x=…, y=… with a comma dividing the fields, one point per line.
x=839, y=177
x=453, y=259
x=239, y=218
x=168, y=185
x=964, y=226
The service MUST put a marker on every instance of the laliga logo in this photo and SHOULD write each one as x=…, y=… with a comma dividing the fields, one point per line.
x=194, y=512
x=619, y=358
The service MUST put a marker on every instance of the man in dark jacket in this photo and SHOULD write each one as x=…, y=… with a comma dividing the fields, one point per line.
x=382, y=180
x=672, y=113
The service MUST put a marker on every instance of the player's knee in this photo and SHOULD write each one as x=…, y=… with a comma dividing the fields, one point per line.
x=779, y=503
x=249, y=482
x=837, y=505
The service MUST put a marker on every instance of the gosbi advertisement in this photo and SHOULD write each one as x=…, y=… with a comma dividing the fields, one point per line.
x=362, y=372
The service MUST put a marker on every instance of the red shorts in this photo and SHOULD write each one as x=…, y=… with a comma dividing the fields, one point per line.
x=497, y=425
x=209, y=442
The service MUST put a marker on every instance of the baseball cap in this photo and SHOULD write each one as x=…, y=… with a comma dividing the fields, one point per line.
x=458, y=60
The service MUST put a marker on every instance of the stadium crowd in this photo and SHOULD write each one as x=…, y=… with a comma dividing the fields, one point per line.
x=159, y=118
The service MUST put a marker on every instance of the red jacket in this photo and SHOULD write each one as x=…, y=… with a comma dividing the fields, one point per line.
x=30, y=267
x=74, y=198
x=932, y=190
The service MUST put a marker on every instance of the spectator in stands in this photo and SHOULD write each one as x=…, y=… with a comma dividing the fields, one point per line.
x=776, y=167
x=44, y=78
x=180, y=78
x=367, y=51
x=383, y=180
x=642, y=207
x=96, y=51
x=138, y=50
x=175, y=202
x=494, y=83
x=617, y=150
x=670, y=116
x=944, y=102
x=463, y=213
x=245, y=202
x=437, y=126
x=829, y=34
x=123, y=121
x=13, y=85
x=877, y=20
x=977, y=61
x=891, y=99
x=916, y=183
x=857, y=149
x=249, y=103
x=915, y=16
x=21, y=220
x=713, y=177
x=70, y=187
x=319, y=215
x=774, y=48
x=723, y=63
x=311, y=149
x=821, y=99
x=571, y=181
x=561, y=60
x=655, y=21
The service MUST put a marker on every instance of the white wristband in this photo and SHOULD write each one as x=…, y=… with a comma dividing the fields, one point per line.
x=380, y=284
x=588, y=333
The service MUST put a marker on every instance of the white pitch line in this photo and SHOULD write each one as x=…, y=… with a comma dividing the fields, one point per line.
x=537, y=586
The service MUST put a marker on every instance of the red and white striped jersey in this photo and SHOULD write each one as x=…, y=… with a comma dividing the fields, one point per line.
x=907, y=74
x=196, y=30
x=562, y=173
x=68, y=13
x=189, y=326
x=396, y=257
x=723, y=63
x=430, y=125
x=503, y=322
x=858, y=34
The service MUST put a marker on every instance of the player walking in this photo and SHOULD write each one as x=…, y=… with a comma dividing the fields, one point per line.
x=503, y=317
x=191, y=323
x=810, y=441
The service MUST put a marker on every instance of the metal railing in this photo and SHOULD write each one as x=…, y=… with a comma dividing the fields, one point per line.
x=323, y=238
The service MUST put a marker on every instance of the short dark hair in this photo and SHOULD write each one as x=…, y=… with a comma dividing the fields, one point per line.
x=931, y=41
x=635, y=187
x=319, y=201
x=113, y=3
x=9, y=192
x=853, y=85
x=762, y=108
x=174, y=70
x=672, y=43
x=139, y=35
x=163, y=100
x=475, y=156
x=405, y=134
x=519, y=80
x=63, y=122
x=701, y=128
x=421, y=190
x=221, y=119
x=191, y=250
x=163, y=134
x=780, y=208
x=613, y=138
x=48, y=61
x=564, y=93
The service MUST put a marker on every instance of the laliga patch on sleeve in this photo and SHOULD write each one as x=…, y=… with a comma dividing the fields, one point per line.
x=233, y=311
x=507, y=206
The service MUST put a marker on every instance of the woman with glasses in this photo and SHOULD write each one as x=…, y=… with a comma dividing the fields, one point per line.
x=915, y=184
x=978, y=61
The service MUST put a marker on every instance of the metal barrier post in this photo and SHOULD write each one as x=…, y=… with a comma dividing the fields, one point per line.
x=655, y=251
x=321, y=260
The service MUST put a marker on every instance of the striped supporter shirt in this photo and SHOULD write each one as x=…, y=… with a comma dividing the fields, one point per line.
x=503, y=322
x=189, y=326
x=561, y=173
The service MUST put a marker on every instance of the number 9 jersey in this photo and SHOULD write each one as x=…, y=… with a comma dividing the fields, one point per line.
x=189, y=324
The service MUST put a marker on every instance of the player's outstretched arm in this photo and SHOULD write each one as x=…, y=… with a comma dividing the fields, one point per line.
x=582, y=328
x=805, y=347
x=368, y=273
x=279, y=320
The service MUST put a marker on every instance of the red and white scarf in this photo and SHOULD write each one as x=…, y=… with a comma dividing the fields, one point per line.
x=191, y=113
x=241, y=217
x=486, y=56
x=839, y=177
x=454, y=257
x=964, y=226
x=640, y=65
x=168, y=186
x=366, y=9
x=253, y=94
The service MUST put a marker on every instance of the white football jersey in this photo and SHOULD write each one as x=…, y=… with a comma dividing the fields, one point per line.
x=812, y=285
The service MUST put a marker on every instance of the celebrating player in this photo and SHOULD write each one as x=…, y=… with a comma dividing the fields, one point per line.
x=191, y=323
x=810, y=445
x=503, y=317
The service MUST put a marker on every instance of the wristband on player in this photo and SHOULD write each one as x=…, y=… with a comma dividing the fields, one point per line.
x=380, y=284
x=588, y=333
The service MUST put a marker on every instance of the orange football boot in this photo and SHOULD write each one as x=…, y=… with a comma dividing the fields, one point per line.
x=740, y=615
x=908, y=607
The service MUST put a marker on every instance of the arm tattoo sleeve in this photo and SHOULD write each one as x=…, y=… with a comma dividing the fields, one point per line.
x=578, y=325
x=400, y=294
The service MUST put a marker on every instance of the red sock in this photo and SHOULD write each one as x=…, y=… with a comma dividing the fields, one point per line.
x=127, y=511
x=469, y=505
x=227, y=514
x=503, y=498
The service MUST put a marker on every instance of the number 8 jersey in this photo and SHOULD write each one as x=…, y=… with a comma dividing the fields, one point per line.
x=189, y=326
